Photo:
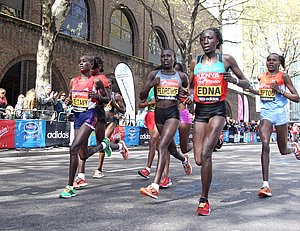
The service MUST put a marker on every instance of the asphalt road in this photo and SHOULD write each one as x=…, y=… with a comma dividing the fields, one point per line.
x=30, y=186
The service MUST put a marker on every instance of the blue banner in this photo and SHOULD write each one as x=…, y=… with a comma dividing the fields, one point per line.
x=132, y=135
x=30, y=133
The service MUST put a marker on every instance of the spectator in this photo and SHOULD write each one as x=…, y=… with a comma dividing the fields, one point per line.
x=60, y=105
x=46, y=102
x=9, y=113
x=3, y=102
x=30, y=104
x=19, y=106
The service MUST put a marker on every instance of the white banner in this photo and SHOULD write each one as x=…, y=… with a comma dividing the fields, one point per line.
x=125, y=82
x=246, y=109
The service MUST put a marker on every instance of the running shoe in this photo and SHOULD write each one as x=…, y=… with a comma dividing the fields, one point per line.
x=107, y=149
x=67, y=193
x=124, y=151
x=98, y=174
x=203, y=208
x=165, y=183
x=79, y=183
x=264, y=192
x=297, y=151
x=187, y=166
x=150, y=191
x=144, y=173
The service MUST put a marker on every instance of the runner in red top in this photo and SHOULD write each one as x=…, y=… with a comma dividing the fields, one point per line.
x=85, y=92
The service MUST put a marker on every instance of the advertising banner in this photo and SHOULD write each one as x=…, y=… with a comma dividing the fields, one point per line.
x=57, y=133
x=132, y=135
x=7, y=133
x=30, y=133
x=125, y=82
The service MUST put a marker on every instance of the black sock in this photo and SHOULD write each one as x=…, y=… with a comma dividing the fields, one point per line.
x=203, y=199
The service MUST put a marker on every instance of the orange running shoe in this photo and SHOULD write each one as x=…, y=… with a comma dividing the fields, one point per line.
x=264, y=192
x=150, y=191
x=187, y=166
x=203, y=208
x=79, y=183
x=297, y=151
x=124, y=151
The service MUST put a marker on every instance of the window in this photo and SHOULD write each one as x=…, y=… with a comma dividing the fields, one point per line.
x=121, y=36
x=76, y=22
x=12, y=8
x=157, y=42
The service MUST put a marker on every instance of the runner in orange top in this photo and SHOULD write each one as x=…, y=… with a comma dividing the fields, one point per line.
x=274, y=97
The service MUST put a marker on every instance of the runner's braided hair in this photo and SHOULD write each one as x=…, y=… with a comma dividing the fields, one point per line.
x=217, y=33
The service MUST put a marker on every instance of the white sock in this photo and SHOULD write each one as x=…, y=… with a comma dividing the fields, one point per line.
x=265, y=184
x=185, y=160
x=69, y=187
x=149, y=169
x=103, y=145
x=120, y=146
x=81, y=176
x=295, y=150
x=156, y=186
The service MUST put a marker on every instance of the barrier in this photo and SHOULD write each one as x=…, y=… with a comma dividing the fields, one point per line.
x=35, y=133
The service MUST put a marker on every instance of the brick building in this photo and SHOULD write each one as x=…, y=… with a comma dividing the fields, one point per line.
x=117, y=31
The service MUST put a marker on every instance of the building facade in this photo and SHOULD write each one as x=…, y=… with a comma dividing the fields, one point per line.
x=116, y=31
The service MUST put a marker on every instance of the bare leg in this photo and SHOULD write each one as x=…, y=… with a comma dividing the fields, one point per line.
x=265, y=131
x=167, y=132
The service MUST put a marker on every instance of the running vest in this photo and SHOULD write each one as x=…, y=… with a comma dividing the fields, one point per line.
x=209, y=84
x=151, y=97
x=80, y=94
x=169, y=86
x=268, y=97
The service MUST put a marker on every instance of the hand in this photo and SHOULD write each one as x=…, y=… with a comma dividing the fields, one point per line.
x=55, y=94
x=156, y=81
x=93, y=95
x=228, y=78
x=188, y=101
x=274, y=86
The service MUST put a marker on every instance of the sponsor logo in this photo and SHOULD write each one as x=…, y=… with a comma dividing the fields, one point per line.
x=3, y=131
x=132, y=134
x=58, y=135
x=31, y=128
x=145, y=136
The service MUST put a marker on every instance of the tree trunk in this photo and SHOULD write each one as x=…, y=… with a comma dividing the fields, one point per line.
x=53, y=16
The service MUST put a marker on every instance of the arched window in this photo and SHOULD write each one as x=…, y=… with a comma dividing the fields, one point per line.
x=121, y=36
x=12, y=8
x=76, y=22
x=157, y=42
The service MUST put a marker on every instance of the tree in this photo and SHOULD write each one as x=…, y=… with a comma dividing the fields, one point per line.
x=187, y=18
x=53, y=15
x=266, y=31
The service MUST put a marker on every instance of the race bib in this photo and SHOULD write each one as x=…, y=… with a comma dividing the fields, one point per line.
x=80, y=99
x=267, y=94
x=209, y=93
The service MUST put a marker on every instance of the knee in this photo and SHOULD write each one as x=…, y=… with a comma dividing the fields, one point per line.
x=206, y=157
x=198, y=160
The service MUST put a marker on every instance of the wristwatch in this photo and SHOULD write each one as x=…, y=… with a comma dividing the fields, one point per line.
x=281, y=92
